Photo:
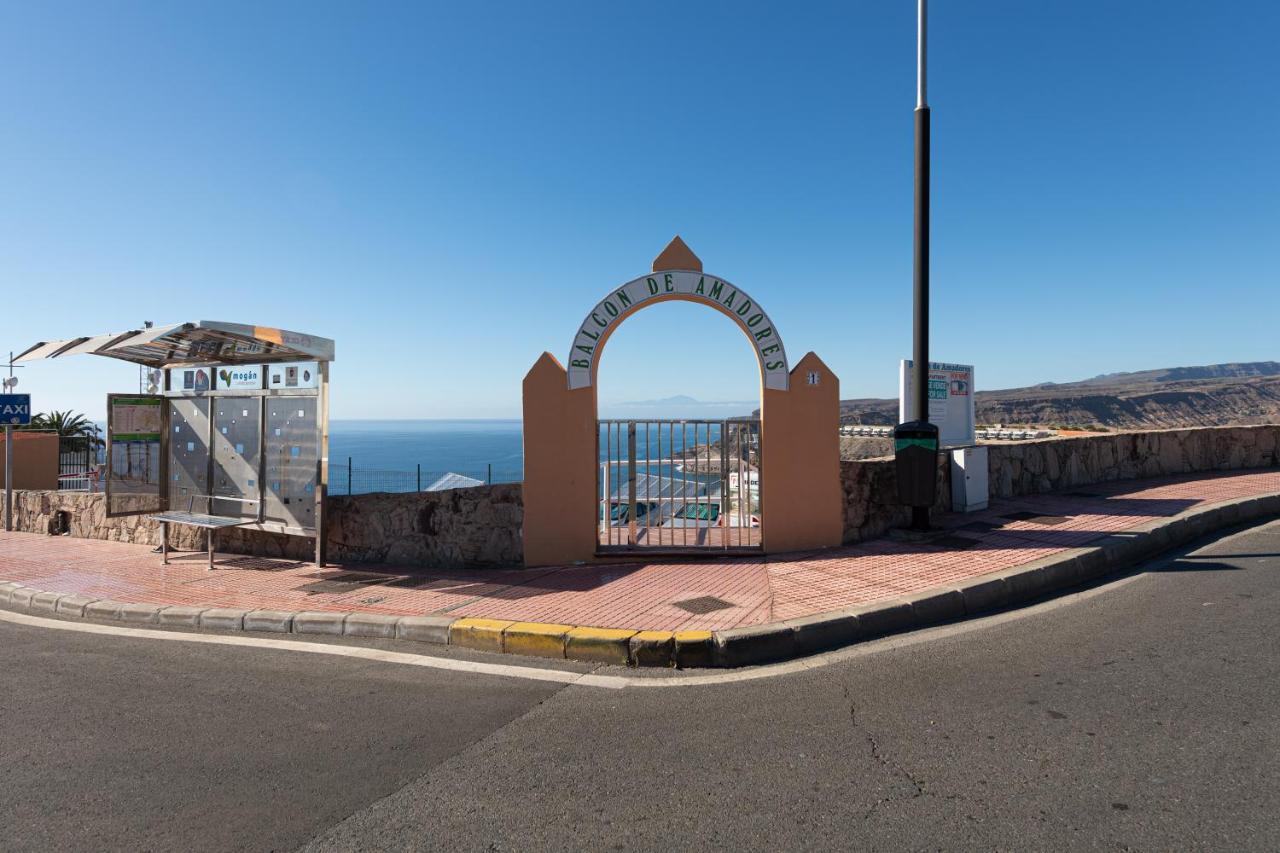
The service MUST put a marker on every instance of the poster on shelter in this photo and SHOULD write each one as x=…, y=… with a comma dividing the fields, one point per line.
x=135, y=430
x=951, y=406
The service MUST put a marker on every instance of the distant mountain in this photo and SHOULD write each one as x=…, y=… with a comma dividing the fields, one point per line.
x=677, y=400
x=1211, y=395
x=679, y=406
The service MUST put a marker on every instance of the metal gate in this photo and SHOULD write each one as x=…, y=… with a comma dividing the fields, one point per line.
x=77, y=455
x=677, y=485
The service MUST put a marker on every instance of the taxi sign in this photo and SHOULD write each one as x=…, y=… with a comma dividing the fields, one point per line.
x=15, y=409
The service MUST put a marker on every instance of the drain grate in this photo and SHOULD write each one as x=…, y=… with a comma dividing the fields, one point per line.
x=703, y=604
x=1036, y=518
x=959, y=543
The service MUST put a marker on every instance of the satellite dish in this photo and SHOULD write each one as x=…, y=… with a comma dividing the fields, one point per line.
x=11, y=382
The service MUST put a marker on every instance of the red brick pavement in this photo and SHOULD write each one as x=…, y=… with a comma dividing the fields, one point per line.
x=641, y=594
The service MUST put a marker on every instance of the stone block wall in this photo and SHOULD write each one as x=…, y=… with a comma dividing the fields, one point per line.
x=871, y=497
x=481, y=526
x=1047, y=465
x=458, y=528
x=1053, y=464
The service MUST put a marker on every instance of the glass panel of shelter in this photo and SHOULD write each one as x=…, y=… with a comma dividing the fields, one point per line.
x=237, y=437
x=292, y=447
x=189, y=453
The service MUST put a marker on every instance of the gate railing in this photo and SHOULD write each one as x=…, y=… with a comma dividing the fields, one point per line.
x=679, y=484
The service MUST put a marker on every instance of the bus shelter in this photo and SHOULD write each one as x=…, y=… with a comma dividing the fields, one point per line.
x=232, y=431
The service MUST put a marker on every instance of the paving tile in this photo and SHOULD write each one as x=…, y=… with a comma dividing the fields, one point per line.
x=640, y=595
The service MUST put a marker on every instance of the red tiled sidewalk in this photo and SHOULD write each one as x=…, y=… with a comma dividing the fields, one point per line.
x=639, y=595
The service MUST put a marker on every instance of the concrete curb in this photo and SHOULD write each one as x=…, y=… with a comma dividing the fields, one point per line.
x=735, y=647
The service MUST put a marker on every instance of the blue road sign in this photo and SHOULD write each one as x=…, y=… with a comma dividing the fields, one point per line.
x=15, y=408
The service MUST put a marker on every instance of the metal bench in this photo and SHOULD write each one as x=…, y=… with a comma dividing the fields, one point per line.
x=207, y=520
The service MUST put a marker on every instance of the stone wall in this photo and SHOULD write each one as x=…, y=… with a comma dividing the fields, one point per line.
x=1030, y=467
x=871, y=497
x=459, y=528
x=481, y=526
x=1053, y=464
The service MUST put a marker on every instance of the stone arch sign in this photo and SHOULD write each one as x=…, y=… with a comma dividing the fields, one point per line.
x=691, y=285
x=799, y=423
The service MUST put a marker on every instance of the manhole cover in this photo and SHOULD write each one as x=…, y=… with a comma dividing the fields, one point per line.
x=408, y=583
x=340, y=582
x=1022, y=515
x=704, y=604
x=979, y=526
x=954, y=542
x=1036, y=518
x=319, y=587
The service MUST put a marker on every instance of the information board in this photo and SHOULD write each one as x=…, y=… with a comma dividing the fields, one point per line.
x=135, y=464
x=951, y=407
x=137, y=418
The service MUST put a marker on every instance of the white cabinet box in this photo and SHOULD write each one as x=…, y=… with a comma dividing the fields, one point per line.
x=969, y=479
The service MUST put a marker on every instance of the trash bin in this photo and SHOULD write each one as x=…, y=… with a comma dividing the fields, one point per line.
x=915, y=451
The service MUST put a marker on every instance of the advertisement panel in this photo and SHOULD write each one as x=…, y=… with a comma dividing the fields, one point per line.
x=951, y=407
x=304, y=374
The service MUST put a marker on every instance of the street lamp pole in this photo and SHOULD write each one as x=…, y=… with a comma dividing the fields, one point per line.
x=920, y=376
x=920, y=356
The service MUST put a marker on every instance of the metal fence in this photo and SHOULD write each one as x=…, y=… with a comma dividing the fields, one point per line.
x=679, y=484
x=347, y=478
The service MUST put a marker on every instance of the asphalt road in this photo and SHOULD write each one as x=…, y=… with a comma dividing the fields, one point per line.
x=1140, y=715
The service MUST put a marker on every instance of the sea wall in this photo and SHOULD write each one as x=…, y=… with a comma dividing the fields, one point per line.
x=459, y=528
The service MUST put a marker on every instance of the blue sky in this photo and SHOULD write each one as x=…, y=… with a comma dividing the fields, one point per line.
x=446, y=189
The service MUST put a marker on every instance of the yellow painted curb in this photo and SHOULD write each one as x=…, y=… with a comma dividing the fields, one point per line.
x=653, y=648
x=600, y=645
x=535, y=638
x=482, y=634
x=693, y=648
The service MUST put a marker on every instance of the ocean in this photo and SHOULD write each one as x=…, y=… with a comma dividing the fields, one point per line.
x=408, y=455
x=387, y=455
x=411, y=455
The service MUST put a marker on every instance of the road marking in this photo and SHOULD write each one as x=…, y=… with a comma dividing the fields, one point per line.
x=590, y=679
x=361, y=652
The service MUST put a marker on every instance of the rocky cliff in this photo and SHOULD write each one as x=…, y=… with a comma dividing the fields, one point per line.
x=1212, y=395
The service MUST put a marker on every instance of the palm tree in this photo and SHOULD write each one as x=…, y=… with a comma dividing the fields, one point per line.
x=69, y=425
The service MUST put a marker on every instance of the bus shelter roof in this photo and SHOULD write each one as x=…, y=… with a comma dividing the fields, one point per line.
x=199, y=342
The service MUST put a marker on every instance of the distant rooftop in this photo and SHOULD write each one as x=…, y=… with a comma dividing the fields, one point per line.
x=454, y=481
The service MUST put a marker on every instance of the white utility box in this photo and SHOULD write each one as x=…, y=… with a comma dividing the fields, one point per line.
x=969, y=479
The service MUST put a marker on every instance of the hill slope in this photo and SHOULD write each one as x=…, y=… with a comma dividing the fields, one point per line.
x=1212, y=395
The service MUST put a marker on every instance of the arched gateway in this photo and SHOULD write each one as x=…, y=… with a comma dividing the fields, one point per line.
x=593, y=488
